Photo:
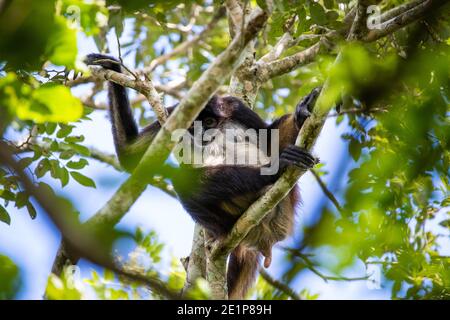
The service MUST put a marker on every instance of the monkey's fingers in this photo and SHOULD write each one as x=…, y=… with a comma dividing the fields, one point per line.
x=297, y=156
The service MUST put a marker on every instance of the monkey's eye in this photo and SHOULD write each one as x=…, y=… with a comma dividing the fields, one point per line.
x=210, y=122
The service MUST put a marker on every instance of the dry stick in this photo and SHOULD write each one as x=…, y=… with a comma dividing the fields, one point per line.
x=279, y=285
x=186, y=112
x=80, y=239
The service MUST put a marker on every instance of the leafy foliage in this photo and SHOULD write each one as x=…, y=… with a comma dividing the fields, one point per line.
x=10, y=279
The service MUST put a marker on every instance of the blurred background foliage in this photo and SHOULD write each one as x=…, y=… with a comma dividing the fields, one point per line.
x=394, y=186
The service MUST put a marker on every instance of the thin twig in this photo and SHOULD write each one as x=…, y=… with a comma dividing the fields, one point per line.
x=325, y=190
x=279, y=285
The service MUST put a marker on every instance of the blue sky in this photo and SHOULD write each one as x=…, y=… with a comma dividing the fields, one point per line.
x=32, y=244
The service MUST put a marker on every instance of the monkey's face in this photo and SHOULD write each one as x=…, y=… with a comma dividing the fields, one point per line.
x=220, y=136
x=217, y=112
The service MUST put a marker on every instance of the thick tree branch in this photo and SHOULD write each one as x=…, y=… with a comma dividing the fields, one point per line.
x=235, y=15
x=403, y=19
x=392, y=13
x=287, y=64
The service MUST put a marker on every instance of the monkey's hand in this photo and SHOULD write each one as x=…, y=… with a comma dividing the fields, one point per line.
x=305, y=106
x=297, y=156
x=103, y=60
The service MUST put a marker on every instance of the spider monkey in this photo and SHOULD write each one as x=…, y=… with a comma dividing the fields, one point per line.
x=219, y=193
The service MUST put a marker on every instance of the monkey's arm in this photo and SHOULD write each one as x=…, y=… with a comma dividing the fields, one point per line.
x=130, y=144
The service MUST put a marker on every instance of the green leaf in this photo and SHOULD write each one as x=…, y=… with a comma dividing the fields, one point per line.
x=25, y=28
x=318, y=14
x=42, y=168
x=7, y=195
x=328, y=4
x=64, y=177
x=445, y=223
x=82, y=179
x=54, y=146
x=80, y=164
x=84, y=151
x=62, y=44
x=50, y=128
x=64, y=131
x=355, y=149
x=9, y=278
x=4, y=216
x=50, y=102
x=74, y=139
x=21, y=199
x=67, y=154
x=31, y=211
x=58, y=100
x=54, y=168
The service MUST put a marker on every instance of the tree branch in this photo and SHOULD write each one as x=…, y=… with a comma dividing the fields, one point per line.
x=279, y=285
x=287, y=64
x=144, y=87
x=325, y=190
x=403, y=19
x=196, y=266
x=388, y=15
x=312, y=267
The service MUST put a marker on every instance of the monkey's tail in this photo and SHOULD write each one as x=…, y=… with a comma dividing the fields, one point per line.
x=242, y=268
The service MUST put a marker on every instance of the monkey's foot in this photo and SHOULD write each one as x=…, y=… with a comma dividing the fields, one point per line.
x=299, y=157
x=305, y=106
